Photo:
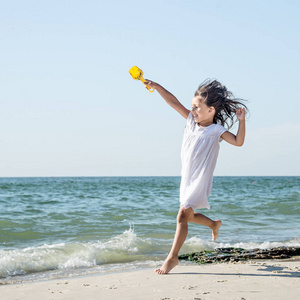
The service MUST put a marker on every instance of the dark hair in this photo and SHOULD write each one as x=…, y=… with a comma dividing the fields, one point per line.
x=213, y=93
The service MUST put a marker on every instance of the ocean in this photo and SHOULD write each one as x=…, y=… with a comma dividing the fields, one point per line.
x=74, y=226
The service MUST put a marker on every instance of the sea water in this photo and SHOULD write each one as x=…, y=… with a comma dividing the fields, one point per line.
x=62, y=227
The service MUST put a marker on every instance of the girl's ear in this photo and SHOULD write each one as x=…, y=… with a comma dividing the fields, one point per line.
x=211, y=109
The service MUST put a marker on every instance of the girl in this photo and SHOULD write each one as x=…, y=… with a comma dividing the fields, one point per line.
x=212, y=108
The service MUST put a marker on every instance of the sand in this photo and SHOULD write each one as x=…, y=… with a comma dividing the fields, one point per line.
x=252, y=280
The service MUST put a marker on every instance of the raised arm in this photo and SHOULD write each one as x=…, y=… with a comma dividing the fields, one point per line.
x=169, y=98
x=238, y=139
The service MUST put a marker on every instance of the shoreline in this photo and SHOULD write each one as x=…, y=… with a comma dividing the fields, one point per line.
x=267, y=279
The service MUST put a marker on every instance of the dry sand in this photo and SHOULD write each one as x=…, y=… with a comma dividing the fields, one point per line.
x=252, y=280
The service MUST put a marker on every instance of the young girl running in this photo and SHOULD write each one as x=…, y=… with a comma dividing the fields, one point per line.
x=212, y=108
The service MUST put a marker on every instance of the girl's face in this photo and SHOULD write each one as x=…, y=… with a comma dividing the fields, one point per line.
x=203, y=115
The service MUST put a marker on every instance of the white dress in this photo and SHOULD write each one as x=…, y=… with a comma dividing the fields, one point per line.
x=199, y=153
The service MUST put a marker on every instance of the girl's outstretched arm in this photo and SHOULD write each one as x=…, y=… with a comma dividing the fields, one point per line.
x=169, y=98
x=238, y=139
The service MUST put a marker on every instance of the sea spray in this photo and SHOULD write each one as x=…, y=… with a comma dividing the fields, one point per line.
x=121, y=248
x=118, y=253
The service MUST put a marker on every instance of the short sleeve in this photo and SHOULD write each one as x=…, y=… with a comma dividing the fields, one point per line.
x=190, y=121
x=219, y=131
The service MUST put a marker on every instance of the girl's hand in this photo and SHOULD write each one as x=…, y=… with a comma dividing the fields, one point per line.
x=240, y=114
x=152, y=84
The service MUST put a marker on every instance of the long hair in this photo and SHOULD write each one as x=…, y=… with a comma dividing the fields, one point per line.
x=213, y=93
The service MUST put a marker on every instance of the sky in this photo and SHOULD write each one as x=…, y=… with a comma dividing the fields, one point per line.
x=70, y=108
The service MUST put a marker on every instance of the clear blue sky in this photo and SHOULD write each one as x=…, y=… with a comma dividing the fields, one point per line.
x=70, y=108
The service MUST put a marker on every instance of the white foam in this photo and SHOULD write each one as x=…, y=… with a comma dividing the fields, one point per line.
x=124, y=251
x=195, y=244
x=68, y=256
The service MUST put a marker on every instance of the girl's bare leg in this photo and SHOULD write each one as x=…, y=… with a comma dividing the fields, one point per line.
x=183, y=217
x=203, y=220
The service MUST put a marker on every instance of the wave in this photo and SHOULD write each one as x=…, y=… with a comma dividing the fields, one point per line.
x=122, y=252
x=119, y=249
x=201, y=245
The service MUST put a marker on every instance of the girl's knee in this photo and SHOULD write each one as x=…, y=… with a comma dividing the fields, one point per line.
x=184, y=215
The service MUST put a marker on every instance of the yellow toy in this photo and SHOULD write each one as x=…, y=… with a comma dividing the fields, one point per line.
x=137, y=74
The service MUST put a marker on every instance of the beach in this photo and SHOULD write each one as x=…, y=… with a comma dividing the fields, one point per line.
x=269, y=279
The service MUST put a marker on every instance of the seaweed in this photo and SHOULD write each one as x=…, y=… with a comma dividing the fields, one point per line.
x=239, y=254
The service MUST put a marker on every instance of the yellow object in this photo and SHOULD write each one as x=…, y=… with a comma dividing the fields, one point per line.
x=137, y=74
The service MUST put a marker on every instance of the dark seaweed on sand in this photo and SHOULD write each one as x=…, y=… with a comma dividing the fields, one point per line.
x=239, y=254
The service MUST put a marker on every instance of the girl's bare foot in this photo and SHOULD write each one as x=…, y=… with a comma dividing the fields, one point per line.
x=215, y=229
x=168, y=265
